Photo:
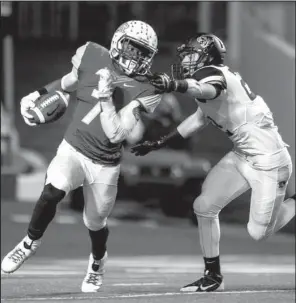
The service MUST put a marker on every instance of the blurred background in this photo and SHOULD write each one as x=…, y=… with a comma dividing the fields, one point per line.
x=38, y=40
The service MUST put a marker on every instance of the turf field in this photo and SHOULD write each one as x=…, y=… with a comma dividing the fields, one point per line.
x=149, y=261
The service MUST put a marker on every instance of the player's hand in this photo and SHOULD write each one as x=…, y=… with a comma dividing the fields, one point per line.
x=105, y=84
x=146, y=147
x=162, y=82
x=27, y=103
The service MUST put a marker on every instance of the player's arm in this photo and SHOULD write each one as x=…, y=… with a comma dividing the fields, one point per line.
x=118, y=126
x=68, y=84
x=207, y=83
x=191, y=124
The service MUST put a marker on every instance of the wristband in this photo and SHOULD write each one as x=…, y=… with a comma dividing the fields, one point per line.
x=180, y=86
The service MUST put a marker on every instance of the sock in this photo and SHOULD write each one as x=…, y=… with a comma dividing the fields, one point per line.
x=99, y=241
x=286, y=213
x=213, y=265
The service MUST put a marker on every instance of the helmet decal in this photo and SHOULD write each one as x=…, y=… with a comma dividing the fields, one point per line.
x=203, y=41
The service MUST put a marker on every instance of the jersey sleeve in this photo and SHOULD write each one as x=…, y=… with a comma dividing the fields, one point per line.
x=76, y=59
x=211, y=75
x=148, y=99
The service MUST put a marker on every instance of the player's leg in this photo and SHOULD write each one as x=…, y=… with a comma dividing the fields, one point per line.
x=99, y=200
x=64, y=174
x=223, y=184
x=269, y=212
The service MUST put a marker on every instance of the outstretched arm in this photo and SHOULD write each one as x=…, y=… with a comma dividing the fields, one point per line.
x=207, y=83
x=191, y=124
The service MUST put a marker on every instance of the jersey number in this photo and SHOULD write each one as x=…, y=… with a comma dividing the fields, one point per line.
x=94, y=112
x=245, y=86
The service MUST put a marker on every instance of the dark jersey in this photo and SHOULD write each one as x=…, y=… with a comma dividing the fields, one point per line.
x=85, y=132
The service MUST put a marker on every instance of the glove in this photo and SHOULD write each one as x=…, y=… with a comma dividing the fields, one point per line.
x=146, y=147
x=162, y=82
x=105, y=84
x=27, y=103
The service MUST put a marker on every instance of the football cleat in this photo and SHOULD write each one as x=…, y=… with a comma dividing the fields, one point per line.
x=209, y=282
x=94, y=276
x=23, y=251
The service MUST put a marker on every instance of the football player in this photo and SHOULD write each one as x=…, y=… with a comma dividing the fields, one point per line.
x=259, y=159
x=90, y=153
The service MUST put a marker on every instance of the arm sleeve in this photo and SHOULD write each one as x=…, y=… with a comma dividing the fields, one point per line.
x=191, y=124
x=118, y=126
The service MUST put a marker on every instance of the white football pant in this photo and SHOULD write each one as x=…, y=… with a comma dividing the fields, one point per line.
x=233, y=175
x=69, y=169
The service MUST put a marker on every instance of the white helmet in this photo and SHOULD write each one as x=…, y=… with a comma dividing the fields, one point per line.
x=133, y=47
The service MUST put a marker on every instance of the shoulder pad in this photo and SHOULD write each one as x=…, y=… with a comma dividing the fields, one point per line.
x=103, y=50
x=211, y=75
x=77, y=58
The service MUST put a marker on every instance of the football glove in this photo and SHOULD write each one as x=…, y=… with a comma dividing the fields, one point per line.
x=162, y=82
x=27, y=103
x=146, y=147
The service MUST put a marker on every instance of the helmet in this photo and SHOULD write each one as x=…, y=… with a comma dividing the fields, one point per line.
x=201, y=50
x=133, y=47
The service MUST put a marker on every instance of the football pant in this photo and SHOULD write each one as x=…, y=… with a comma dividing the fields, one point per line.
x=70, y=169
x=231, y=177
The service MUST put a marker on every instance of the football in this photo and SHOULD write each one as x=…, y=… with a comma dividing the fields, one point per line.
x=49, y=107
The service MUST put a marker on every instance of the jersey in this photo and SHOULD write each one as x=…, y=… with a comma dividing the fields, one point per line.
x=237, y=111
x=85, y=132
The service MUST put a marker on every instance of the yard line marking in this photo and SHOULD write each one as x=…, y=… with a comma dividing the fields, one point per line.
x=137, y=284
x=31, y=299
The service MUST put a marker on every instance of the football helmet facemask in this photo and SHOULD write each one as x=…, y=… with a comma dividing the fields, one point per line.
x=201, y=50
x=133, y=47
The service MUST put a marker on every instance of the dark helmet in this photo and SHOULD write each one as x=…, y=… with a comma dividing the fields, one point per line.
x=198, y=51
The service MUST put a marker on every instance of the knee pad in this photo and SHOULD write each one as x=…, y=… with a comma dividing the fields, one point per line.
x=51, y=194
x=204, y=208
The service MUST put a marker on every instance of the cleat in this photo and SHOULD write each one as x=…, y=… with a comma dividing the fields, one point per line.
x=94, y=276
x=209, y=282
x=23, y=251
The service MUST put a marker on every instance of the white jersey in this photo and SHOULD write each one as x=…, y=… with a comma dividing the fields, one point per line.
x=244, y=116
